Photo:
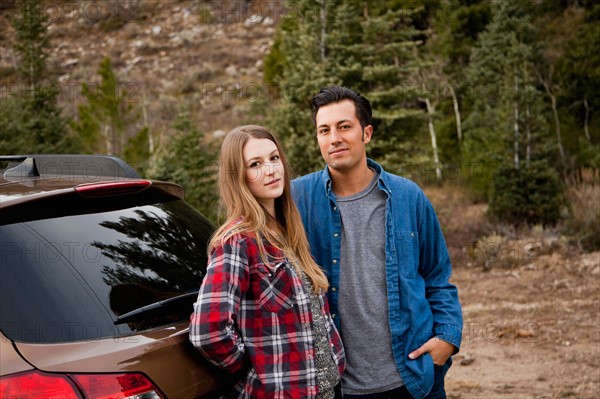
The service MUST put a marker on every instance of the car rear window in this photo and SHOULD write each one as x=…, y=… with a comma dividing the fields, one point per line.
x=69, y=278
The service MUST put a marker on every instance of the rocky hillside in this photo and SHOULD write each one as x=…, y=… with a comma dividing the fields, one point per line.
x=200, y=57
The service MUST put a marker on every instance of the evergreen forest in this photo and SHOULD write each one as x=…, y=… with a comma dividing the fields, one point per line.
x=497, y=97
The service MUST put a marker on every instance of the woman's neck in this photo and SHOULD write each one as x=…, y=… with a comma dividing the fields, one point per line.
x=274, y=228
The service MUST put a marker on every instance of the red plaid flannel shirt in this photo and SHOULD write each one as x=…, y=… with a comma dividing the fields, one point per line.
x=256, y=318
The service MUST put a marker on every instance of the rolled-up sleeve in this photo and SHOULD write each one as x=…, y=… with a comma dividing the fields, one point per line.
x=213, y=328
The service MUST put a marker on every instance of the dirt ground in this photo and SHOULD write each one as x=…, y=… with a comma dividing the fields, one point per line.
x=531, y=306
x=530, y=332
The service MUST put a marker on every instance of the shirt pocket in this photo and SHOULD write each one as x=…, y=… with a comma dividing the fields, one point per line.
x=407, y=245
x=275, y=287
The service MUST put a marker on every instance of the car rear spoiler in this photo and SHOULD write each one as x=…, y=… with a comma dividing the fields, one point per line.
x=26, y=167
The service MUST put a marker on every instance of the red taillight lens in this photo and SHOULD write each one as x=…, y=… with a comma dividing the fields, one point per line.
x=36, y=384
x=116, y=386
x=107, y=189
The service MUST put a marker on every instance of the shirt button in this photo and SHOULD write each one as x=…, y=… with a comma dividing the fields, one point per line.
x=333, y=315
x=335, y=234
x=334, y=261
x=333, y=289
x=335, y=208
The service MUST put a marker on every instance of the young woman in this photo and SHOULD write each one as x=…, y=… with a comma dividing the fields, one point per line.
x=261, y=310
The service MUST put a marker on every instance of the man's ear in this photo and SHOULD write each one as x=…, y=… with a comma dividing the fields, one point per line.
x=367, y=133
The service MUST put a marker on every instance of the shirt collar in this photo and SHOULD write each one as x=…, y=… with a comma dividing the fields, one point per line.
x=326, y=179
x=382, y=183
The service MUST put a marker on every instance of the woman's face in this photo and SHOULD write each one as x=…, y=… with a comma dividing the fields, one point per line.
x=264, y=171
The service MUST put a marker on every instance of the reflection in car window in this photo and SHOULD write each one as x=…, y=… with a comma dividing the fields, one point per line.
x=69, y=278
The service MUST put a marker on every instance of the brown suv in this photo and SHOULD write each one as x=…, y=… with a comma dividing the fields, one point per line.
x=99, y=269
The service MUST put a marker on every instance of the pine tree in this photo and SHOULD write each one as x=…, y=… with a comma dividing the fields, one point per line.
x=191, y=161
x=294, y=66
x=504, y=128
x=32, y=42
x=30, y=119
x=369, y=46
x=387, y=74
x=455, y=27
x=505, y=101
x=107, y=119
x=579, y=69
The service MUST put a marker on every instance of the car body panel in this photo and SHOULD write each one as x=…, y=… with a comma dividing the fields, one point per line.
x=10, y=360
x=165, y=355
x=43, y=188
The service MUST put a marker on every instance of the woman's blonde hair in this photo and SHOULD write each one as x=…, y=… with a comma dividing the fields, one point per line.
x=241, y=205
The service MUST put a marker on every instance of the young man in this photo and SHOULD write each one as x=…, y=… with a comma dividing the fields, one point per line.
x=378, y=239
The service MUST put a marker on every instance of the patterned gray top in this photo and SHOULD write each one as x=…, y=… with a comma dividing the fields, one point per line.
x=327, y=371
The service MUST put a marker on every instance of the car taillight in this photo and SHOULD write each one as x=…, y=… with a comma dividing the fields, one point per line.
x=36, y=384
x=107, y=189
x=116, y=386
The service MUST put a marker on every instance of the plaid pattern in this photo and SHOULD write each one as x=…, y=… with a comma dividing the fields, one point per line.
x=255, y=319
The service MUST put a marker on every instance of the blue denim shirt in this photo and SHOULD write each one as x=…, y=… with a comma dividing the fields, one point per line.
x=422, y=303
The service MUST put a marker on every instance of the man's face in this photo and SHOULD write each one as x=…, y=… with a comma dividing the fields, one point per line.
x=341, y=138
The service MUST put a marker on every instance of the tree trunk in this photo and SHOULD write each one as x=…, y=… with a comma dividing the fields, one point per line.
x=150, y=136
x=516, y=122
x=121, y=141
x=456, y=114
x=32, y=79
x=557, y=125
x=113, y=137
x=436, y=159
x=323, y=29
x=109, y=140
x=556, y=119
x=527, y=118
x=586, y=121
x=145, y=118
x=528, y=130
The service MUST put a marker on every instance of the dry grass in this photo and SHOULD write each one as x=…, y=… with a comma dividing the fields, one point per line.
x=583, y=220
x=473, y=241
x=462, y=219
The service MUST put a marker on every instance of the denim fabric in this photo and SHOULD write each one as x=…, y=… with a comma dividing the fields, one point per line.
x=422, y=302
x=398, y=393
x=437, y=392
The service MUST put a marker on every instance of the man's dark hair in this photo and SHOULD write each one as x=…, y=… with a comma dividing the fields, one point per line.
x=335, y=94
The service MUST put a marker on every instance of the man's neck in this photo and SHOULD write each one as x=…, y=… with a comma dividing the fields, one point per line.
x=347, y=183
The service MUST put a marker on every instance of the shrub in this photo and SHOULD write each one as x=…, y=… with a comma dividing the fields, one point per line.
x=488, y=250
x=583, y=220
x=190, y=160
x=530, y=195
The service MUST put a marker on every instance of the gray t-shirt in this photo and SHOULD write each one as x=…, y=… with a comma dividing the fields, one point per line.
x=362, y=305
